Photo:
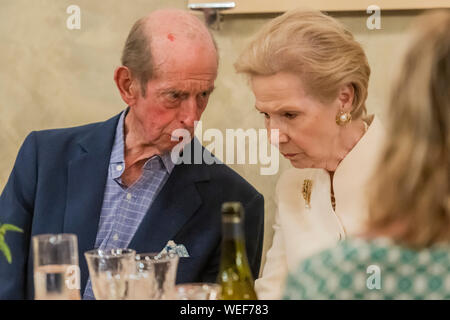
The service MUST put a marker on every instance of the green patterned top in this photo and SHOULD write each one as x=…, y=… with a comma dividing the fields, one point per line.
x=377, y=269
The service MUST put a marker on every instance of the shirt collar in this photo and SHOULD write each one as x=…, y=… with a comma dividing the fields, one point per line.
x=164, y=160
x=353, y=175
x=167, y=161
x=364, y=156
x=117, y=160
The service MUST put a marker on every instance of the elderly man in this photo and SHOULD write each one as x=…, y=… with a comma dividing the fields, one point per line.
x=114, y=184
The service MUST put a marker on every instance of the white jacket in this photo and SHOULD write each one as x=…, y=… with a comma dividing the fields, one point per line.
x=300, y=232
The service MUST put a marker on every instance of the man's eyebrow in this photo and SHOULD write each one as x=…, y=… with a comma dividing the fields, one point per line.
x=168, y=90
x=211, y=89
x=174, y=90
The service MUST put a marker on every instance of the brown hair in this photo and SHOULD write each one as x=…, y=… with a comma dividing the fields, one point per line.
x=410, y=199
x=317, y=48
x=136, y=54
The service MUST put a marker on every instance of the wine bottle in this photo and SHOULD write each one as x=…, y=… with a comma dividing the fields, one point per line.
x=235, y=276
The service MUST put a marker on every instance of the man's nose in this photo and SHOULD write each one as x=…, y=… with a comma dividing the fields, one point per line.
x=189, y=113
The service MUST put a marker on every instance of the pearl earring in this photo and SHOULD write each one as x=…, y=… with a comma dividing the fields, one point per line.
x=343, y=118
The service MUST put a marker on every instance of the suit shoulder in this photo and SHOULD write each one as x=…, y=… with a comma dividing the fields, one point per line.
x=64, y=133
x=65, y=143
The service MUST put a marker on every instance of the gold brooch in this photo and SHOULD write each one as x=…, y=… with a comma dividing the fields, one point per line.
x=307, y=187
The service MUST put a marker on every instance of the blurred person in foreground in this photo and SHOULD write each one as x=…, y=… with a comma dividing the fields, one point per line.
x=115, y=185
x=310, y=80
x=405, y=252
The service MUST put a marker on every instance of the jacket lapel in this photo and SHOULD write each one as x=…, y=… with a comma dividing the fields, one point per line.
x=87, y=174
x=177, y=201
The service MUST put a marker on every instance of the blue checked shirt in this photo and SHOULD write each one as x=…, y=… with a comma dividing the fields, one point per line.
x=124, y=207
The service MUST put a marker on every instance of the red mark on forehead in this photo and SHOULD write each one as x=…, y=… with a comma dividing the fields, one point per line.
x=171, y=37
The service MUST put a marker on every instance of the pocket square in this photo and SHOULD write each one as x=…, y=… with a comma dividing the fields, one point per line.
x=178, y=249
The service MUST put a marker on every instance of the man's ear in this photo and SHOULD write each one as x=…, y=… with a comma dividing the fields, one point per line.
x=346, y=97
x=126, y=85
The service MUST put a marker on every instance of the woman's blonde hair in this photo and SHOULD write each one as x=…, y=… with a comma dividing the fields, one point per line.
x=410, y=199
x=317, y=48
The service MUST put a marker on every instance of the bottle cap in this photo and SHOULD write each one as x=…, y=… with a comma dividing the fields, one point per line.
x=233, y=208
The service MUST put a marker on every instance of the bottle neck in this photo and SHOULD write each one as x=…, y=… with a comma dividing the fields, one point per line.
x=232, y=229
x=233, y=243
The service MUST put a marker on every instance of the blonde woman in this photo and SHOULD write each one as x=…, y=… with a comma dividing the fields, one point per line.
x=406, y=250
x=310, y=79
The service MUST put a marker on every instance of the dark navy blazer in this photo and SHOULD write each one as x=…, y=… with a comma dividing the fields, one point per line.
x=57, y=186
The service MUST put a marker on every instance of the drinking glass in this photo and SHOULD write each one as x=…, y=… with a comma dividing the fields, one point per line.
x=56, y=270
x=109, y=271
x=154, y=277
x=198, y=291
